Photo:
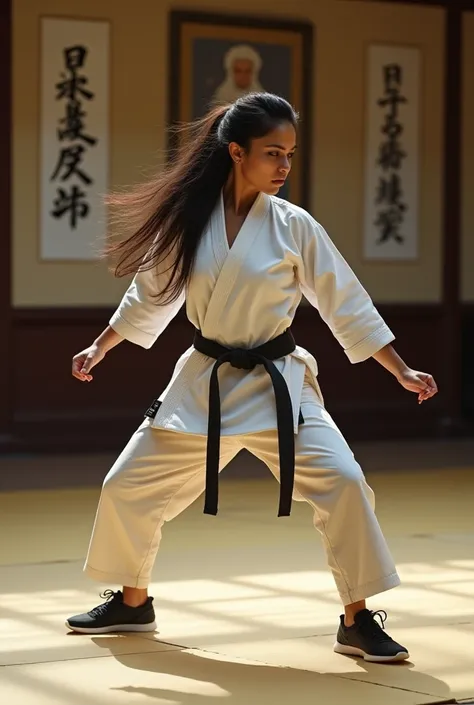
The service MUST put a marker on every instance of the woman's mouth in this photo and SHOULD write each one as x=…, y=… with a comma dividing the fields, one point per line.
x=278, y=182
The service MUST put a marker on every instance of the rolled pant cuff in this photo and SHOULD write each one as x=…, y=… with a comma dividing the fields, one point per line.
x=369, y=589
x=116, y=578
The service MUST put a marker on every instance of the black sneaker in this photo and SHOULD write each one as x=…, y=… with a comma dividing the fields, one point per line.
x=114, y=616
x=367, y=639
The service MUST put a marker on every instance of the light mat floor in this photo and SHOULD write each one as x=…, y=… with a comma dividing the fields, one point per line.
x=246, y=606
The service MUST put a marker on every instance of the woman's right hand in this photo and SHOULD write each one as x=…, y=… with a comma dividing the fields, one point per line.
x=83, y=362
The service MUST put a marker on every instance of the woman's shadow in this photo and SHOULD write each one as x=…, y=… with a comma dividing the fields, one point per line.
x=192, y=678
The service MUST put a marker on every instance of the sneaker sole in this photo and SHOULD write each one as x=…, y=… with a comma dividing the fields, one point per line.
x=354, y=651
x=151, y=627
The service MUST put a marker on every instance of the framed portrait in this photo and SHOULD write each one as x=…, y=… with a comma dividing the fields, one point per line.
x=218, y=58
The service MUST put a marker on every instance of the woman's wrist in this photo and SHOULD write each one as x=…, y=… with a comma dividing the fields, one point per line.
x=107, y=340
x=391, y=360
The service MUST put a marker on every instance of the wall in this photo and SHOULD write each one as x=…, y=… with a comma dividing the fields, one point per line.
x=50, y=409
x=468, y=161
x=138, y=116
x=467, y=216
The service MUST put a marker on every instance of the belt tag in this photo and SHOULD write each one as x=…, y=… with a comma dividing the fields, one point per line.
x=153, y=409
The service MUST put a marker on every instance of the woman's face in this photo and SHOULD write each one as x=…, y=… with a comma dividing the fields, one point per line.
x=267, y=163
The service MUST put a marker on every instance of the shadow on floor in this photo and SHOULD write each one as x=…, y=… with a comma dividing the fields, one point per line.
x=241, y=681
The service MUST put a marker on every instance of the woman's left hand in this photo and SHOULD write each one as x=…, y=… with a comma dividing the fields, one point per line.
x=421, y=383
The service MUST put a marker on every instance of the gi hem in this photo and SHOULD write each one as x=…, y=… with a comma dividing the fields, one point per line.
x=370, y=345
x=370, y=589
x=131, y=332
x=116, y=578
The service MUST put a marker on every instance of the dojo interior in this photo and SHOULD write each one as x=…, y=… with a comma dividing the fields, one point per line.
x=246, y=606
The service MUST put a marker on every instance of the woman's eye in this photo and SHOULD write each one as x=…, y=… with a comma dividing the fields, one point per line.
x=277, y=154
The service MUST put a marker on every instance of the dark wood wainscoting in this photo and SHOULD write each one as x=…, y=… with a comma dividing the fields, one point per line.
x=54, y=412
x=468, y=361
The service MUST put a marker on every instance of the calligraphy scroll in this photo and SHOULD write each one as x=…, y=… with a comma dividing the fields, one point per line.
x=391, y=228
x=74, y=138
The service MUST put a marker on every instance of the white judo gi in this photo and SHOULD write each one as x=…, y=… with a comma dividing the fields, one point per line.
x=243, y=297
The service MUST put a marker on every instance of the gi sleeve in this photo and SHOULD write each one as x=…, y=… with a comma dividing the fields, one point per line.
x=330, y=285
x=139, y=318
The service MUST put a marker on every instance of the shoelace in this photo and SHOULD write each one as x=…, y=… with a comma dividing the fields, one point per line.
x=379, y=614
x=373, y=629
x=100, y=609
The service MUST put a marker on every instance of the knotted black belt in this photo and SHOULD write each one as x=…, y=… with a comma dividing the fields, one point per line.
x=243, y=359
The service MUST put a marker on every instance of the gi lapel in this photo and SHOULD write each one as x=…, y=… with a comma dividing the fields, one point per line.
x=230, y=260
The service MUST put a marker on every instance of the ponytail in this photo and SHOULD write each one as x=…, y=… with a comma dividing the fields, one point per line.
x=169, y=213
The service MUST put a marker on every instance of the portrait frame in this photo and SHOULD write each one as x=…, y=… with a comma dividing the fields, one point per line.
x=293, y=38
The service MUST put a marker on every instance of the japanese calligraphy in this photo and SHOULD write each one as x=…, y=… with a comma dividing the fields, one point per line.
x=70, y=170
x=71, y=202
x=389, y=195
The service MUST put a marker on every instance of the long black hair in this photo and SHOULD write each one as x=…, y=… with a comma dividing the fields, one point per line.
x=167, y=215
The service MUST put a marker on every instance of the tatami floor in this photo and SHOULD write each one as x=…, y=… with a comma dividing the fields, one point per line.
x=245, y=604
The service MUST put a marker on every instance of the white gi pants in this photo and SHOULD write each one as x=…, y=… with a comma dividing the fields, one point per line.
x=160, y=473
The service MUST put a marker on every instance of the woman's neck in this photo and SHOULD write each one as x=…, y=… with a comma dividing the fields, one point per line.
x=238, y=196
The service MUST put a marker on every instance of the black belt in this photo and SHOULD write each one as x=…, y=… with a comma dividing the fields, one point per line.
x=243, y=359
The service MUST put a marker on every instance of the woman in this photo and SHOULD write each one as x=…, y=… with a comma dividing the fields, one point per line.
x=241, y=258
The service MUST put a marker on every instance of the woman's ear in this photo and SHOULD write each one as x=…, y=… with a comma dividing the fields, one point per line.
x=235, y=152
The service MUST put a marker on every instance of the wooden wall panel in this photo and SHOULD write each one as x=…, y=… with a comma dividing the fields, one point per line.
x=54, y=412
